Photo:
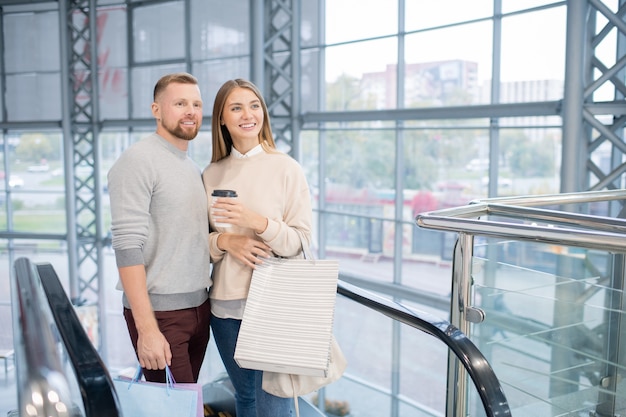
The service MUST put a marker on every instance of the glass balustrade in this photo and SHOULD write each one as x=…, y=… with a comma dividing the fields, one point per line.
x=539, y=288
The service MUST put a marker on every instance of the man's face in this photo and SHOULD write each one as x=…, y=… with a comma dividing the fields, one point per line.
x=178, y=110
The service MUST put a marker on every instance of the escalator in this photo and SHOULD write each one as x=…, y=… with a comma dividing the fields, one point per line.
x=60, y=373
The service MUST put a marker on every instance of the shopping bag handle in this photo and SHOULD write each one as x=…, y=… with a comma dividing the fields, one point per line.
x=305, y=247
x=169, y=378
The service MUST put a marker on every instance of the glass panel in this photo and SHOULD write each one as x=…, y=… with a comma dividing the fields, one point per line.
x=365, y=192
x=216, y=31
x=447, y=67
x=310, y=81
x=31, y=95
x=112, y=41
x=114, y=98
x=356, y=84
x=310, y=23
x=143, y=80
x=529, y=161
x=368, y=343
x=34, y=182
x=112, y=143
x=424, y=359
x=445, y=165
x=352, y=168
x=212, y=74
x=201, y=148
x=531, y=90
x=35, y=49
x=551, y=311
x=38, y=212
x=113, y=63
x=540, y=53
x=348, y=20
x=150, y=41
x=422, y=14
x=509, y=6
x=38, y=156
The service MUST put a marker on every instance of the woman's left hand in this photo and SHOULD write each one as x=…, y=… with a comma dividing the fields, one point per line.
x=247, y=250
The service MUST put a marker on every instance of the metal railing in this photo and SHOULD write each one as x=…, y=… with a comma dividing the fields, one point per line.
x=473, y=361
x=557, y=221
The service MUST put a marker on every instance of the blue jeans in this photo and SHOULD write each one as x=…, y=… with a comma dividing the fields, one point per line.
x=250, y=399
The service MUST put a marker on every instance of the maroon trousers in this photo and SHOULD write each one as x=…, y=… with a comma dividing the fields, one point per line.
x=187, y=332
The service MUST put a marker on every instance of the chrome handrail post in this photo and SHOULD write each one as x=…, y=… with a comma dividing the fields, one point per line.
x=456, y=401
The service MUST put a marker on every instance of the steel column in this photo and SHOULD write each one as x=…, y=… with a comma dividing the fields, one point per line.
x=80, y=127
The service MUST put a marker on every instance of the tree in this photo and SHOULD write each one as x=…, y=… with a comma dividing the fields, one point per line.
x=34, y=147
x=532, y=158
x=360, y=159
x=346, y=93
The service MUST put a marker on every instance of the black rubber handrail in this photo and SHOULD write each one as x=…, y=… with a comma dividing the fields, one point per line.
x=93, y=379
x=96, y=386
x=477, y=366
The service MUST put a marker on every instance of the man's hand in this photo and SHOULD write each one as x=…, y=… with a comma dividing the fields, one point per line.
x=153, y=350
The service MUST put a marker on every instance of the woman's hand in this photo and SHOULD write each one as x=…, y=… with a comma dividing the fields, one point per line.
x=234, y=212
x=246, y=249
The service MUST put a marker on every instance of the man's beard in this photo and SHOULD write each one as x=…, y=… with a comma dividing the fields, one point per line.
x=181, y=133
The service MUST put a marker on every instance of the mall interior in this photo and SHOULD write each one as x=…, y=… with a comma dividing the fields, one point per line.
x=466, y=168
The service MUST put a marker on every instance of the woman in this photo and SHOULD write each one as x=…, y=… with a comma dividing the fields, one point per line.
x=271, y=213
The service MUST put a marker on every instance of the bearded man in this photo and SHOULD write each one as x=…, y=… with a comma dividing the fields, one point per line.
x=159, y=227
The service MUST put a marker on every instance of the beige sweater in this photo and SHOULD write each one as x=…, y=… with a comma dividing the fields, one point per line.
x=273, y=185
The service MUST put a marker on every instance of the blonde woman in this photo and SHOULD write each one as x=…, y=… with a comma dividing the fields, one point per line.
x=272, y=210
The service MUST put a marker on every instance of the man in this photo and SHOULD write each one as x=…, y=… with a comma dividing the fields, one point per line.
x=160, y=232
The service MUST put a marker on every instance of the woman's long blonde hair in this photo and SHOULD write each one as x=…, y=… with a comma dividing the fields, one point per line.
x=222, y=141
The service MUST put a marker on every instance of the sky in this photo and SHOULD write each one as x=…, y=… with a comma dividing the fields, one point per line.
x=532, y=43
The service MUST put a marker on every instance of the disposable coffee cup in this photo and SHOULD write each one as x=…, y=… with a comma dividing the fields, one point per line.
x=221, y=194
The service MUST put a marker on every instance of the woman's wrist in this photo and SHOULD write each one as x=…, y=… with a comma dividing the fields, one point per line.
x=261, y=225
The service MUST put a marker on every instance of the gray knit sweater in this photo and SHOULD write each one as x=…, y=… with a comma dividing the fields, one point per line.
x=159, y=219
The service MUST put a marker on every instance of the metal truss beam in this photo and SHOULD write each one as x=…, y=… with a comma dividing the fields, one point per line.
x=281, y=72
x=605, y=131
x=79, y=25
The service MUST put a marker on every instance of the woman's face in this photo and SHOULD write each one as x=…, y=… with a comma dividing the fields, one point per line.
x=243, y=116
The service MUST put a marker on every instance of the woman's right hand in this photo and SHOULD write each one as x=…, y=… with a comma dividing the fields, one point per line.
x=235, y=213
x=247, y=250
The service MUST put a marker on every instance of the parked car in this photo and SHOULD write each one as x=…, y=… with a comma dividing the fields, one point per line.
x=16, y=182
x=39, y=168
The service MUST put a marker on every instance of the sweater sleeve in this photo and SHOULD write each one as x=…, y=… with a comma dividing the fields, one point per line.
x=130, y=191
x=284, y=234
x=216, y=253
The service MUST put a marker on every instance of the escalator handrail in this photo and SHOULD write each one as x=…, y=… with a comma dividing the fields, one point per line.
x=96, y=385
x=477, y=366
x=94, y=382
x=39, y=370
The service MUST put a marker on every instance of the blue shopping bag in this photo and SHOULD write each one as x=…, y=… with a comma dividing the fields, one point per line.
x=153, y=399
